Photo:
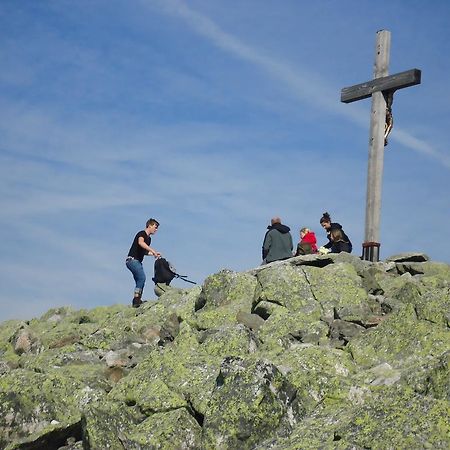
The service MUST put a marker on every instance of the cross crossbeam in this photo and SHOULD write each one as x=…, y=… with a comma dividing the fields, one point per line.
x=390, y=83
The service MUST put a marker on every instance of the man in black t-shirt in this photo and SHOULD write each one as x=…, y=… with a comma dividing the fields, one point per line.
x=140, y=248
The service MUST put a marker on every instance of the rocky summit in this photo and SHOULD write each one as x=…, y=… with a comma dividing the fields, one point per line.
x=315, y=352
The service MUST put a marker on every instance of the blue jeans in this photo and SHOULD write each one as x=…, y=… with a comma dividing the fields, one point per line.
x=135, y=267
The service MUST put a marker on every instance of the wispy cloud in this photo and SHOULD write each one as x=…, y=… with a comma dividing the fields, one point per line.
x=420, y=146
x=107, y=121
x=303, y=84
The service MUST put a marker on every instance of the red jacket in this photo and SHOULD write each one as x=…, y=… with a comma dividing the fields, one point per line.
x=310, y=238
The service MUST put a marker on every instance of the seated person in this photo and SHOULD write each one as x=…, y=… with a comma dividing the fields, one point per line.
x=277, y=244
x=307, y=244
x=326, y=223
x=339, y=241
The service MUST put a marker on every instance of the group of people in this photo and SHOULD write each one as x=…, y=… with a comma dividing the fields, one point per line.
x=277, y=245
x=278, y=242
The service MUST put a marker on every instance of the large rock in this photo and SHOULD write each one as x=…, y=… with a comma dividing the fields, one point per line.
x=399, y=339
x=223, y=296
x=385, y=419
x=40, y=407
x=312, y=352
x=250, y=401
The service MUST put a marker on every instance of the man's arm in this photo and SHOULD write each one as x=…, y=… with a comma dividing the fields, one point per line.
x=150, y=250
x=266, y=245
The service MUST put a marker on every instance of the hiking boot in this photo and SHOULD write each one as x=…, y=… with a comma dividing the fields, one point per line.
x=137, y=302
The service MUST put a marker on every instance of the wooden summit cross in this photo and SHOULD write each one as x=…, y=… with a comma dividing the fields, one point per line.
x=381, y=89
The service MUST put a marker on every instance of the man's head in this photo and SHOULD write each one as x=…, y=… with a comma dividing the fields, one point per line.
x=275, y=220
x=152, y=225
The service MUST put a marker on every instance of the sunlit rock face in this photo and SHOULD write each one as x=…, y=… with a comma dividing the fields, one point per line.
x=312, y=352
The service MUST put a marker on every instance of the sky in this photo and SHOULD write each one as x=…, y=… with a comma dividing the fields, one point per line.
x=211, y=116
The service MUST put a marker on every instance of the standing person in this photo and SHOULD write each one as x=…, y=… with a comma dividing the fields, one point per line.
x=307, y=244
x=277, y=242
x=326, y=223
x=339, y=242
x=140, y=248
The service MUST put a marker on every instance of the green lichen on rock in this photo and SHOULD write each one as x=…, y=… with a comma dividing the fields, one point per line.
x=344, y=297
x=222, y=297
x=176, y=429
x=388, y=419
x=284, y=329
x=259, y=401
x=313, y=352
x=433, y=302
x=105, y=424
x=33, y=404
x=226, y=341
x=287, y=286
x=318, y=373
x=399, y=338
x=182, y=302
x=430, y=376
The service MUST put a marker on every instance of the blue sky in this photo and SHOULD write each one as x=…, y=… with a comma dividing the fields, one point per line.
x=211, y=116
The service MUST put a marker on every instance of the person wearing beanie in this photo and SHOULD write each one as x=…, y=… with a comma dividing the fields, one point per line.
x=277, y=243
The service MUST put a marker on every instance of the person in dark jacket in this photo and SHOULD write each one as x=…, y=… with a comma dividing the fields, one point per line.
x=328, y=225
x=339, y=242
x=277, y=242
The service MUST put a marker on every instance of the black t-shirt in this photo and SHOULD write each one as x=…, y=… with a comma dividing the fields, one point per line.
x=136, y=251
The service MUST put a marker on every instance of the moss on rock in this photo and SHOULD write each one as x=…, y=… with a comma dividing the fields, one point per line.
x=312, y=352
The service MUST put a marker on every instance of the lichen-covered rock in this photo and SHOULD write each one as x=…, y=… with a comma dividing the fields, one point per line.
x=430, y=376
x=312, y=352
x=319, y=374
x=398, y=339
x=182, y=303
x=229, y=341
x=222, y=297
x=250, y=401
x=174, y=429
x=285, y=329
x=171, y=377
x=33, y=405
x=408, y=257
x=287, y=286
x=106, y=424
x=130, y=326
x=433, y=301
x=149, y=394
x=387, y=419
x=224, y=288
x=335, y=297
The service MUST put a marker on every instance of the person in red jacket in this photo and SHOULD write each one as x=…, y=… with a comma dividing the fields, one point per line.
x=307, y=244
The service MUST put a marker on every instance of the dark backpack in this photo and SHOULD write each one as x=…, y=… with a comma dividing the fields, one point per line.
x=165, y=272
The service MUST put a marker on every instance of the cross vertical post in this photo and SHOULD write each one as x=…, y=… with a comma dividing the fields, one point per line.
x=375, y=165
x=381, y=89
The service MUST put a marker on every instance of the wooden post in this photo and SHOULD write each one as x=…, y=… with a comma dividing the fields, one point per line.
x=376, y=148
x=382, y=87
